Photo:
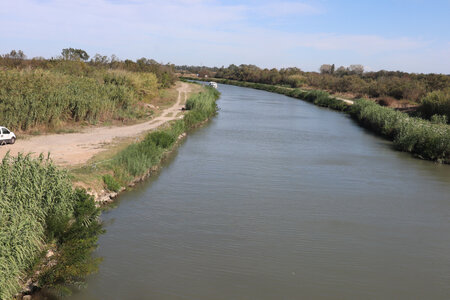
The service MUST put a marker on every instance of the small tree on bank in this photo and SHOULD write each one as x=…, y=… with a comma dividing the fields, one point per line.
x=74, y=54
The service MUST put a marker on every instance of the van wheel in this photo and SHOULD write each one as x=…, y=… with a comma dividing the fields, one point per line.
x=2, y=143
x=13, y=140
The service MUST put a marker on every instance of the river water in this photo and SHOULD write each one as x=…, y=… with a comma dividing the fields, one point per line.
x=276, y=198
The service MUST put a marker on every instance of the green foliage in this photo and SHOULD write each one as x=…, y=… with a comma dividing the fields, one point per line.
x=33, y=98
x=34, y=193
x=436, y=103
x=75, y=246
x=317, y=97
x=38, y=205
x=74, y=54
x=398, y=85
x=415, y=135
x=74, y=62
x=111, y=183
x=139, y=158
x=201, y=106
x=439, y=119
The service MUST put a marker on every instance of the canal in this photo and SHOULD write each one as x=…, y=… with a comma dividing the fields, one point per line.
x=276, y=198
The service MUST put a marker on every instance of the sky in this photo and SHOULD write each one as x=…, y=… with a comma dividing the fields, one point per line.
x=405, y=35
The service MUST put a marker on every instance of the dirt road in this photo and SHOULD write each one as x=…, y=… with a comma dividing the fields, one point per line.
x=78, y=148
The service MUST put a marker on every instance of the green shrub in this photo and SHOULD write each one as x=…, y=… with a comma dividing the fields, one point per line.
x=75, y=246
x=436, y=103
x=111, y=183
x=439, y=119
x=163, y=139
x=31, y=98
x=138, y=158
x=37, y=204
x=415, y=135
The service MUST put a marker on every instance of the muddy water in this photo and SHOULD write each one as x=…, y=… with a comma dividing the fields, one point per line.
x=279, y=199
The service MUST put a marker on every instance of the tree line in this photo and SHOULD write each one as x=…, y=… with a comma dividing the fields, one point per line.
x=430, y=93
x=73, y=61
x=73, y=88
x=353, y=79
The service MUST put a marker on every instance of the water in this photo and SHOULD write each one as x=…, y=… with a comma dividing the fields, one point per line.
x=279, y=199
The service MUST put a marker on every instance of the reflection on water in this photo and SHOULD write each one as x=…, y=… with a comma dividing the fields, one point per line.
x=279, y=199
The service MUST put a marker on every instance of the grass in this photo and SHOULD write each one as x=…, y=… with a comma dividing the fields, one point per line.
x=42, y=99
x=39, y=206
x=133, y=157
x=425, y=139
x=111, y=183
x=138, y=158
x=436, y=104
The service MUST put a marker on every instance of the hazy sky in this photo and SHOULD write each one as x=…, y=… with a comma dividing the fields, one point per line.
x=407, y=35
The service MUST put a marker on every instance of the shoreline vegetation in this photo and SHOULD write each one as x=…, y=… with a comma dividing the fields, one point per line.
x=138, y=159
x=429, y=140
x=49, y=229
x=49, y=225
x=44, y=220
x=48, y=95
x=421, y=95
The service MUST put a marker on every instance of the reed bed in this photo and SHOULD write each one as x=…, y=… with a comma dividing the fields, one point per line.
x=42, y=98
x=425, y=139
x=37, y=206
x=139, y=158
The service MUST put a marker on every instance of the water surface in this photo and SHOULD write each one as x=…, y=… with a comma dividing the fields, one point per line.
x=279, y=199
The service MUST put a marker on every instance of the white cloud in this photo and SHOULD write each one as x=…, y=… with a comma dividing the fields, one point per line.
x=187, y=32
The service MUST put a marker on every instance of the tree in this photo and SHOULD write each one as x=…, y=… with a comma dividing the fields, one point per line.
x=356, y=69
x=341, y=71
x=100, y=59
x=114, y=58
x=16, y=54
x=74, y=54
x=326, y=69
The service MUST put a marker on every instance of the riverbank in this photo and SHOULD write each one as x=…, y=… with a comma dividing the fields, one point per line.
x=423, y=139
x=78, y=148
x=139, y=160
x=59, y=255
x=276, y=198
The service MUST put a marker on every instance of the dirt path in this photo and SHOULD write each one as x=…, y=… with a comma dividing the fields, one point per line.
x=78, y=148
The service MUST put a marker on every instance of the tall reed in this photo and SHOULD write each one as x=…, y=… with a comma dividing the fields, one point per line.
x=33, y=98
x=38, y=205
x=138, y=158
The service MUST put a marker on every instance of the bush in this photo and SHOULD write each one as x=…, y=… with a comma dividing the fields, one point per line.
x=31, y=98
x=138, y=158
x=75, y=246
x=436, y=103
x=439, y=119
x=111, y=183
x=386, y=101
x=201, y=106
x=37, y=205
x=415, y=135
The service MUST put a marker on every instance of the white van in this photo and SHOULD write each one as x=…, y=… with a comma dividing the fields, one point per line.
x=7, y=136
